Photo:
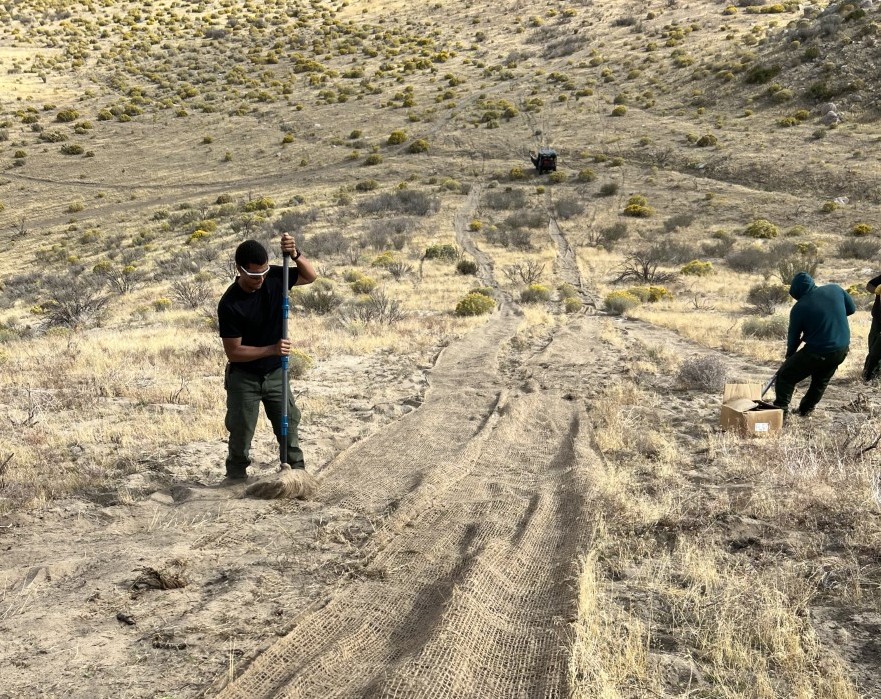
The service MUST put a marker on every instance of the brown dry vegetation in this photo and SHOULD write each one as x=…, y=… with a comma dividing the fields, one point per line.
x=140, y=142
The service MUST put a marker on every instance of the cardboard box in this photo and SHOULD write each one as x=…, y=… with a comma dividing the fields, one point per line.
x=743, y=410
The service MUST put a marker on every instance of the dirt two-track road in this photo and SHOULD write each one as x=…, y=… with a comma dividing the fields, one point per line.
x=440, y=558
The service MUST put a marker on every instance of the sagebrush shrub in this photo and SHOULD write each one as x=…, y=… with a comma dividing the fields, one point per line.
x=363, y=284
x=619, y=302
x=696, y=268
x=705, y=373
x=772, y=328
x=299, y=363
x=535, y=293
x=767, y=296
x=475, y=304
x=444, y=251
x=467, y=267
x=761, y=228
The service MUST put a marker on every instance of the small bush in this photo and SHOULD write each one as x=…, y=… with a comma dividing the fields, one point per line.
x=828, y=207
x=706, y=140
x=67, y=115
x=650, y=294
x=861, y=229
x=299, y=363
x=586, y=175
x=752, y=259
x=705, y=373
x=260, y=204
x=773, y=328
x=638, y=211
x=475, y=304
x=445, y=251
x=619, y=111
x=320, y=297
x=363, y=284
x=366, y=185
x=72, y=149
x=619, y=302
x=396, y=138
x=418, y=146
x=761, y=228
x=859, y=248
x=373, y=159
x=466, y=267
x=384, y=260
x=535, y=293
x=572, y=305
x=767, y=296
x=696, y=268
x=609, y=189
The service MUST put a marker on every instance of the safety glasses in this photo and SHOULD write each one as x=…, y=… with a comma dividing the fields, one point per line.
x=254, y=275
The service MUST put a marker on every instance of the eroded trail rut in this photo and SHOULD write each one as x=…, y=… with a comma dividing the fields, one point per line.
x=467, y=589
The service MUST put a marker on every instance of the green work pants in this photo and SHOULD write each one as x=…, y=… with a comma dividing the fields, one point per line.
x=801, y=365
x=244, y=394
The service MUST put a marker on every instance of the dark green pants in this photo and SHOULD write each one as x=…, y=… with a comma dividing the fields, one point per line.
x=244, y=394
x=873, y=359
x=820, y=367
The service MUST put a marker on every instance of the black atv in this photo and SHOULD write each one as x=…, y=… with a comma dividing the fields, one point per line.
x=545, y=160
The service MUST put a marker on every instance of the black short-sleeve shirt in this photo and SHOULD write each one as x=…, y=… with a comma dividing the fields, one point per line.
x=255, y=317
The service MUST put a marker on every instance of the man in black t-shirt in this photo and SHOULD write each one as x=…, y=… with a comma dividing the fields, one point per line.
x=873, y=358
x=250, y=321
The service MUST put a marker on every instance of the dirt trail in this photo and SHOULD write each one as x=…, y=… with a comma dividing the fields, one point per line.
x=439, y=560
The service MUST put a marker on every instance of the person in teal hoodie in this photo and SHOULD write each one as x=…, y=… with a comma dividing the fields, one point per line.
x=819, y=320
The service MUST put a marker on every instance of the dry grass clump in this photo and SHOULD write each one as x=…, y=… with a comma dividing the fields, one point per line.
x=704, y=373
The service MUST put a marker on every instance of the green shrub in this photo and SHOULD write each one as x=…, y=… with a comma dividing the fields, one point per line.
x=396, y=138
x=385, y=259
x=696, y=268
x=773, y=328
x=287, y=138
x=261, y=204
x=619, y=302
x=67, y=115
x=619, y=111
x=475, y=304
x=609, y=189
x=761, y=228
x=828, y=207
x=299, y=363
x=706, y=140
x=466, y=267
x=366, y=185
x=638, y=211
x=516, y=173
x=72, y=149
x=586, y=175
x=572, y=305
x=485, y=290
x=445, y=251
x=535, y=293
x=650, y=294
x=557, y=177
x=162, y=304
x=567, y=291
x=418, y=146
x=767, y=296
x=373, y=159
x=475, y=225
x=362, y=284
x=861, y=229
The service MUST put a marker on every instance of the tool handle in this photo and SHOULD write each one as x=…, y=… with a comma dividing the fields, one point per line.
x=285, y=309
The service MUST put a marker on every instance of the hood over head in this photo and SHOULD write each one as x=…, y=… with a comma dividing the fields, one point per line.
x=802, y=283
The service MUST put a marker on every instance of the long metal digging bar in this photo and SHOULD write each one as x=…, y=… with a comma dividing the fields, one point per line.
x=768, y=385
x=285, y=309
